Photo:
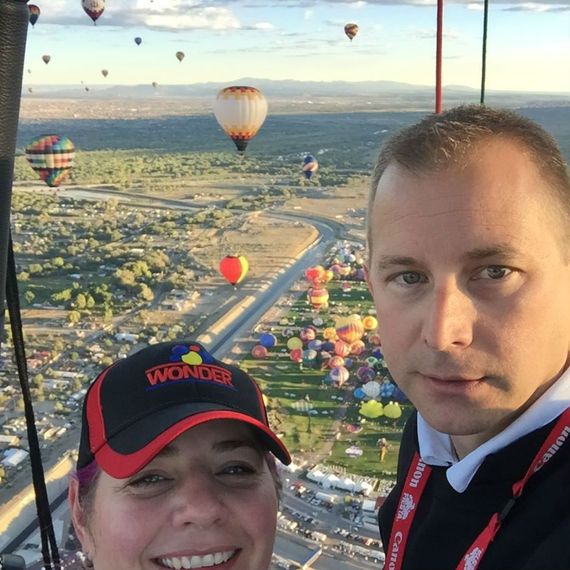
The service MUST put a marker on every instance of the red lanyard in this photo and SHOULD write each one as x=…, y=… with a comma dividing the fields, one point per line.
x=415, y=483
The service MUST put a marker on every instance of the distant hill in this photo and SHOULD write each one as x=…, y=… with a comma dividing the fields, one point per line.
x=306, y=92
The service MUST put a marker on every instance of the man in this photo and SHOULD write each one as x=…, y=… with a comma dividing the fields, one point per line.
x=469, y=269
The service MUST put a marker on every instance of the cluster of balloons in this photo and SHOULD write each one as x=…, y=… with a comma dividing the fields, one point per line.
x=350, y=349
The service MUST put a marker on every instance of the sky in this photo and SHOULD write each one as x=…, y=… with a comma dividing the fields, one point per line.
x=528, y=42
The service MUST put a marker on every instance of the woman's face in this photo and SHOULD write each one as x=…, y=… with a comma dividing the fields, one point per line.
x=207, y=500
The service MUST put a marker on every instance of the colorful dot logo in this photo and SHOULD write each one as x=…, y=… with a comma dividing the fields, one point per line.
x=192, y=354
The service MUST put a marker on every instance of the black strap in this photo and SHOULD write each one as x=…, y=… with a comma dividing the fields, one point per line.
x=49, y=544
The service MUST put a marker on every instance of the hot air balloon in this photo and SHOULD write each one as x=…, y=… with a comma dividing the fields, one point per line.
x=46, y=58
x=371, y=409
x=30, y=90
x=318, y=297
x=234, y=268
x=104, y=72
x=155, y=84
x=87, y=89
x=93, y=8
x=339, y=375
x=294, y=343
x=267, y=340
x=370, y=323
x=180, y=55
x=350, y=329
x=392, y=410
x=310, y=166
x=259, y=352
x=51, y=156
x=240, y=110
x=316, y=274
x=138, y=41
x=351, y=30
x=308, y=334
x=29, y=70
x=34, y=13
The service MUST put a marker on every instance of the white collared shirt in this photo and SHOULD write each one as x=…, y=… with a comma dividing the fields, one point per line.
x=437, y=449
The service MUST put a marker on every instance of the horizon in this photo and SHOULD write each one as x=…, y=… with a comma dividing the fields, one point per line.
x=303, y=40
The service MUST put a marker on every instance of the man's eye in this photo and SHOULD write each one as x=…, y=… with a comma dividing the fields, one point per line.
x=495, y=272
x=408, y=278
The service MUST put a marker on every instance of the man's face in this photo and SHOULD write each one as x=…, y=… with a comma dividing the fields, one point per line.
x=471, y=288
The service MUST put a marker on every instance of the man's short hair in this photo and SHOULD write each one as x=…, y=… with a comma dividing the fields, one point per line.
x=445, y=140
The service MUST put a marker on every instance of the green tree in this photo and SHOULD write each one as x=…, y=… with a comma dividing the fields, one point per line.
x=73, y=317
x=29, y=296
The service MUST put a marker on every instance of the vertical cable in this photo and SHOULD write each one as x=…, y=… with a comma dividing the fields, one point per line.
x=484, y=56
x=438, y=57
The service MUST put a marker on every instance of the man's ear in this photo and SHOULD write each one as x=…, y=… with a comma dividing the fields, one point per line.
x=79, y=516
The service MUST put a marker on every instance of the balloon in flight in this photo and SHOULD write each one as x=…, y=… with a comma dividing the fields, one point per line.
x=138, y=41
x=155, y=84
x=93, y=8
x=104, y=72
x=240, y=110
x=180, y=55
x=46, y=58
x=51, y=156
x=310, y=166
x=351, y=30
x=34, y=13
x=234, y=268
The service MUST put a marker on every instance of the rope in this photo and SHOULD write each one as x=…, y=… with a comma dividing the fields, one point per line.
x=49, y=544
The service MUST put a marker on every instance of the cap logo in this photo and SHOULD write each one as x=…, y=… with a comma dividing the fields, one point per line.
x=189, y=363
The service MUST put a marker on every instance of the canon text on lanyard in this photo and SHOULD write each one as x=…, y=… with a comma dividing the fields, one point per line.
x=417, y=477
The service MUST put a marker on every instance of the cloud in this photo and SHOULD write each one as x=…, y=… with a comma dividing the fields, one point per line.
x=429, y=33
x=537, y=7
x=308, y=14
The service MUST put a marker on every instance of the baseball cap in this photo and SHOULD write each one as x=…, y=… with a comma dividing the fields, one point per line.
x=140, y=404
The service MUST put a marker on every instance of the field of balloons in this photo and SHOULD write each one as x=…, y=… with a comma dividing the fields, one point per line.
x=322, y=369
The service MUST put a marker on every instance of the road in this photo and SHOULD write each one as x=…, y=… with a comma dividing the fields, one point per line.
x=223, y=342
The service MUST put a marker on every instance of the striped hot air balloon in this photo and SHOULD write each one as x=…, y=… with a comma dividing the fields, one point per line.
x=241, y=111
x=318, y=297
x=51, y=156
x=351, y=30
x=234, y=268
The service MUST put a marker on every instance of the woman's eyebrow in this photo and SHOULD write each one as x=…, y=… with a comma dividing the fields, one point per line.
x=232, y=444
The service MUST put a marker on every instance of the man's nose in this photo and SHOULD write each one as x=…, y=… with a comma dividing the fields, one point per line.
x=199, y=500
x=449, y=318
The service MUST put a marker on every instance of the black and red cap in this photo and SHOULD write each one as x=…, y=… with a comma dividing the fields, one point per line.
x=140, y=404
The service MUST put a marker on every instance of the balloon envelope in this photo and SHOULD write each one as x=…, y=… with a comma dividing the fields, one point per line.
x=104, y=72
x=46, y=58
x=34, y=13
x=267, y=340
x=93, y=8
x=180, y=55
x=351, y=30
x=310, y=166
x=51, y=156
x=240, y=111
x=234, y=268
x=138, y=41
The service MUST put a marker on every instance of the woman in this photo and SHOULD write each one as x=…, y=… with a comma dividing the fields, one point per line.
x=174, y=467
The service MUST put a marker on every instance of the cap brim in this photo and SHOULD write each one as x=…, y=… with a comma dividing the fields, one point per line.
x=122, y=464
